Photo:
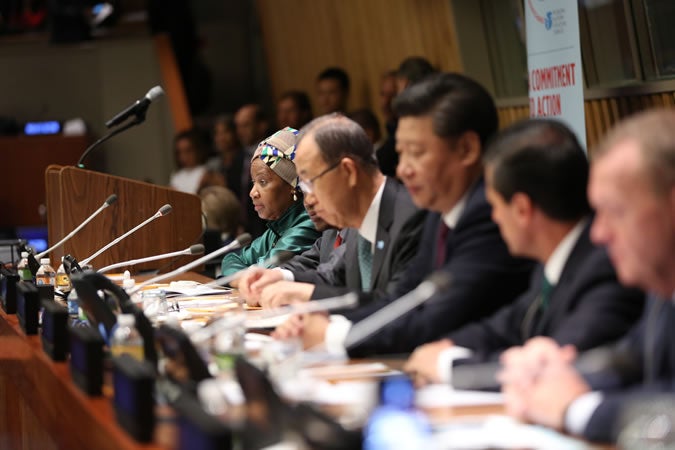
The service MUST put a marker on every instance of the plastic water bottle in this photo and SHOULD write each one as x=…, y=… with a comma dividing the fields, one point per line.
x=22, y=268
x=229, y=342
x=73, y=305
x=45, y=274
x=126, y=338
x=62, y=279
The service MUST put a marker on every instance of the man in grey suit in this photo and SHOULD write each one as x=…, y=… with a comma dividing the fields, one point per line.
x=339, y=172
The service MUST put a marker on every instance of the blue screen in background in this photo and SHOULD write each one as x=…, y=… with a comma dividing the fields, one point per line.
x=35, y=236
x=38, y=128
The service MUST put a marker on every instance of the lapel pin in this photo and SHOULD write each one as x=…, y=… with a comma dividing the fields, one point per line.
x=380, y=245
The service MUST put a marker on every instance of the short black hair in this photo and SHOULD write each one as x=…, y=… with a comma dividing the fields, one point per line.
x=456, y=104
x=368, y=121
x=199, y=140
x=542, y=159
x=300, y=98
x=335, y=73
x=415, y=69
x=337, y=137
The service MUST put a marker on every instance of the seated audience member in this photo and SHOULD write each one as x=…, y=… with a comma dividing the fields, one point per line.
x=339, y=173
x=227, y=167
x=220, y=212
x=321, y=258
x=443, y=126
x=386, y=151
x=370, y=125
x=190, y=153
x=278, y=200
x=294, y=110
x=332, y=91
x=632, y=188
x=411, y=70
x=536, y=178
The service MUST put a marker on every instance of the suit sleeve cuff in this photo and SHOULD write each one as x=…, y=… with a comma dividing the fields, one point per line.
x=446, y=359
x=579, y=412
x=336, y=333
x=287, y=274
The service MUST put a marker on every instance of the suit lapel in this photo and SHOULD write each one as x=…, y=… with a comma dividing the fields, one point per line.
x=384, y=220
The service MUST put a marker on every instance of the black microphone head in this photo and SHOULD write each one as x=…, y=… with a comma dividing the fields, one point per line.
x=164, y=210
x=244, y=239
x=440, y=279
x=197, y=249
x=282, y=257
x=155, y=92
x=110, y=200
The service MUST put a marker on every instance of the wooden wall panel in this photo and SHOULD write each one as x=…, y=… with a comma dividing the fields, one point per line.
x=601, y=113
x=366, y=38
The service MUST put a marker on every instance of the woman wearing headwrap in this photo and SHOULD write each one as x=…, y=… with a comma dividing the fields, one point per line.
x=277, y=199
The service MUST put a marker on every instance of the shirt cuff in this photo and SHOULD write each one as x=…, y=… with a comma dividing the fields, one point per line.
x=446, y=359
x=336, y=333
x=287, y=274
x=579, y=412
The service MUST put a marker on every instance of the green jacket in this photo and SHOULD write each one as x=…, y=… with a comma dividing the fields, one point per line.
x=293, y=231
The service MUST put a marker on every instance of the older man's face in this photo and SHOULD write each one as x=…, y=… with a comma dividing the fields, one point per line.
x=633, y=221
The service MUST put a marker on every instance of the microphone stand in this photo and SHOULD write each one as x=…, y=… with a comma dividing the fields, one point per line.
x=138, y=119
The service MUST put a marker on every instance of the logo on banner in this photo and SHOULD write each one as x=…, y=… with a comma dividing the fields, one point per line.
x=551, y=19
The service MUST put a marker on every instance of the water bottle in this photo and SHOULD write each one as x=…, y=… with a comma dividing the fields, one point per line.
x=62, y=279
x=24, y=271
x=73, y=305
x=126, y=338
x=229, y=342
x=45, y=274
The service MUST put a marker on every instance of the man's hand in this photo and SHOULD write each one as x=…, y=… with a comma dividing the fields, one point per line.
x=310, y=327
x=254, y=280
x=284, y=293
x=539, y=381
x=423, y=363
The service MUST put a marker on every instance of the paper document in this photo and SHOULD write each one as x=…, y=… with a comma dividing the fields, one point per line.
x=439, y=395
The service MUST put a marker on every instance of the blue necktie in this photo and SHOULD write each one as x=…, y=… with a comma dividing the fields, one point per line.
x=546, y=289
x=365, y=262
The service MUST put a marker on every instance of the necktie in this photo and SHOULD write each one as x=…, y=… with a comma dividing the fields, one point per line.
x=338, y=240
x=441, y=242
x=546, y=289
x=365, y=262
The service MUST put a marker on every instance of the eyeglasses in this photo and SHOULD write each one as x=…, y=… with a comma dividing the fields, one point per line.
x=308, y=186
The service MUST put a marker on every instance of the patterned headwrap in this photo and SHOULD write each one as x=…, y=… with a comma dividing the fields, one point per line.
x=278, y=153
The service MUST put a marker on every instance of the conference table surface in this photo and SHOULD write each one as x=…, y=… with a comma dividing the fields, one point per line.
x=41, y=408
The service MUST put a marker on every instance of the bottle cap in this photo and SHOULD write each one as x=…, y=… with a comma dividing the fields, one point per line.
x=128, y=283
x=45, y=261
x=126, y=275
x=126, y=320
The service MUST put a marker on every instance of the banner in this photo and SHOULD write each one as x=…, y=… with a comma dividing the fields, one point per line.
x=556, y=84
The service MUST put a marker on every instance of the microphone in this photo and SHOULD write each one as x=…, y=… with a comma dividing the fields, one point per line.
x=436, y=282
x=138, y=109
x=242, y=241
x=163, y=211
x=275, y=260
x=109, y=201
x=603, y=368
x=196, y=249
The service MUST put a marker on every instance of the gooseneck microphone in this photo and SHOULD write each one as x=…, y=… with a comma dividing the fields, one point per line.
x=196, y=249
x=275, y=260
x=109, y=201
x=436, y=282
x=137, y=109
x=163, y=211
x=242, y=241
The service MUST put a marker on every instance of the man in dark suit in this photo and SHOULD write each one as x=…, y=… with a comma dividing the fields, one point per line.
x=537, y=174
x=338, y=172
x=444, y=122
x=632, y=187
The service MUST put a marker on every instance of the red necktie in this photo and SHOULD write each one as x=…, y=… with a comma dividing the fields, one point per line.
x=443, y=231
x=338, y=240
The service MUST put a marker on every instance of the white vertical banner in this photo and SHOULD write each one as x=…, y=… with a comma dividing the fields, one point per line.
x=556, y=84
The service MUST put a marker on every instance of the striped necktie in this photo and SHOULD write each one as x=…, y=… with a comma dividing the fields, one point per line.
x=365, y=262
